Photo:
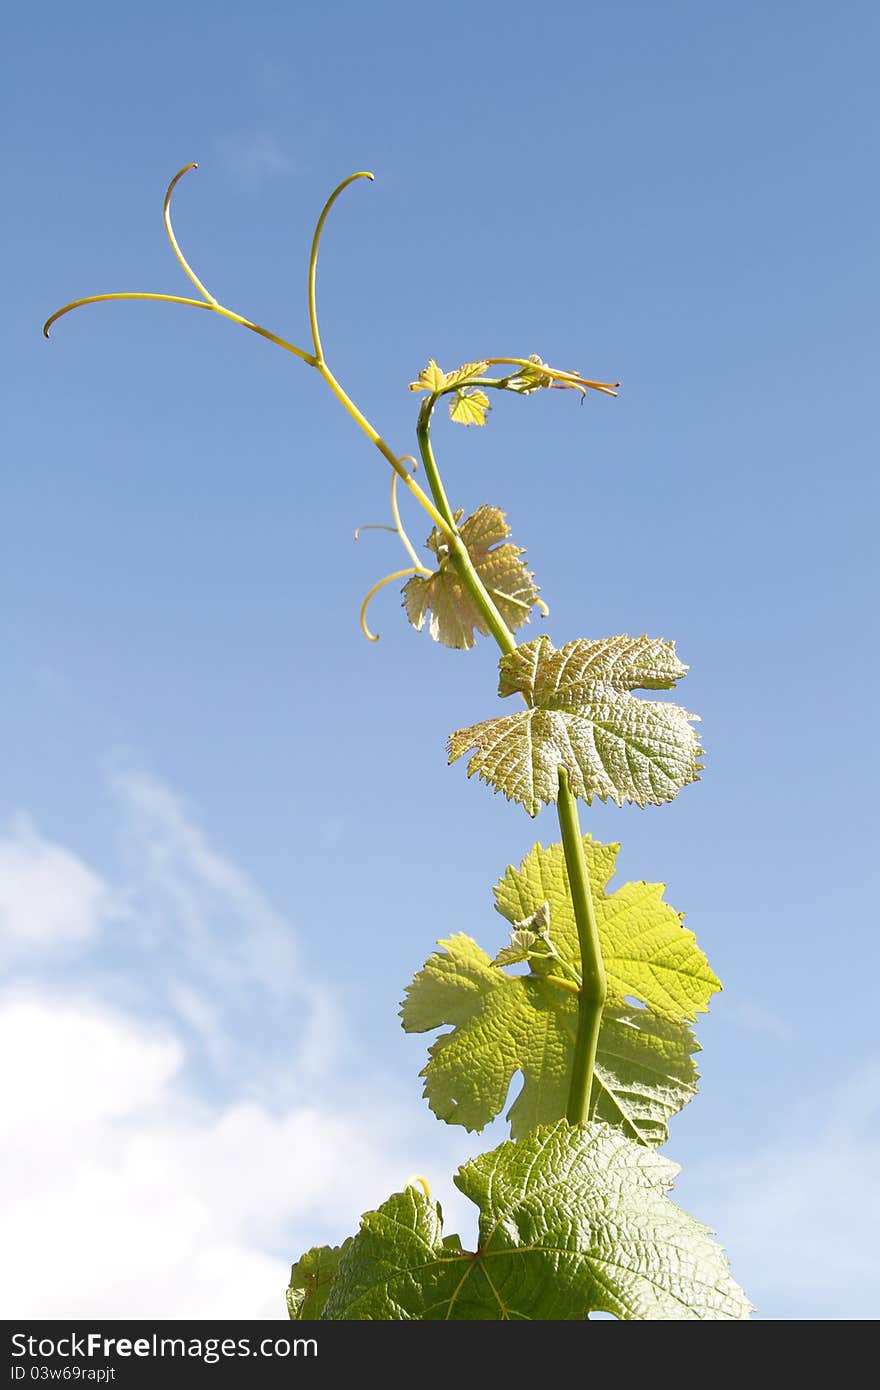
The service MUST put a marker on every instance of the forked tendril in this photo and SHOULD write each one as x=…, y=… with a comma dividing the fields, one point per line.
x=206, y=302
x=214, y=306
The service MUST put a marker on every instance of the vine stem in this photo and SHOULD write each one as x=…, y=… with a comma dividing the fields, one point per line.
x=458, y=550
x=386, y=451
x=593, y=988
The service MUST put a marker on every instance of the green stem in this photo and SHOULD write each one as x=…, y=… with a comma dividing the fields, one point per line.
x=387, y=452
x=483, y=600
x=594, y=989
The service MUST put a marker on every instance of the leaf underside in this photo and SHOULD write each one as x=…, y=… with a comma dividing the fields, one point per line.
x=454, y=617
x=503, y=1024
x=583, y=717
x=572, y=1221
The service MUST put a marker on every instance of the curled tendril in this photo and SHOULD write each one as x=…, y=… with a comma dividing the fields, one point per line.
x=389, y=579
x=373, y=526
x=398, y=524
x=418, y=1181
x=313, y=257
x=396, y=530
x=166, y=215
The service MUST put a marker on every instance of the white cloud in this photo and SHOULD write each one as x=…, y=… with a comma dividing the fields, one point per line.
x=49, y=899
x=801, y=1215
x=125, y=1196
x=178, y=1124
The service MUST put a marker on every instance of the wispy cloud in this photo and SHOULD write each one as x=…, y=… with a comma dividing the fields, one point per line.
x=221, y=959
x=757, y=1017
x=250, y=159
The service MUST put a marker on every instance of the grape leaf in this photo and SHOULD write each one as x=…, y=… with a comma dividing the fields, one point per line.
x=432, y=378
x=469, y=407
x=454, y=615
x=644, y=1072
x=647, y=952
x=311, y=1279
x=572, y=1220
x=582, y=717
x=502, y=1024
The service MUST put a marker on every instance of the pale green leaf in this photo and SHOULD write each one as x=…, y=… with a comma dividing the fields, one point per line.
x=504, y=1024
x=648, y=954
x=454, y=615
x=430, y=378
x=311, y=1279
x=572, y=1221
x=467, y=373
x=469, y=407
x=582, y=717
x=433, y=379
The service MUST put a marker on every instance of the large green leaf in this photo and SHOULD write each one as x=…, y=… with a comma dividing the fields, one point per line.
x=572, y=1221
x=503, y=1024
x=582, y=717
x=454, y=615
x=647, y=952
x=311, y=1279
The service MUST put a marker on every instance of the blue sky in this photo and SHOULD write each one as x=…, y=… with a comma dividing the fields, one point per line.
x=228, y=833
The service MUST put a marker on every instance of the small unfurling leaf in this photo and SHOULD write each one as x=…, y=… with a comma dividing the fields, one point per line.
x=522, y=942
